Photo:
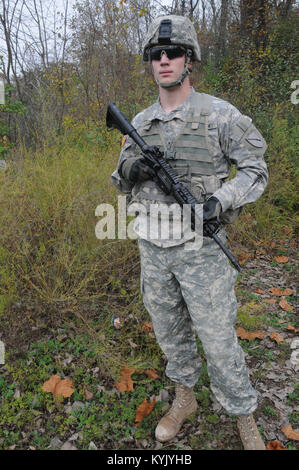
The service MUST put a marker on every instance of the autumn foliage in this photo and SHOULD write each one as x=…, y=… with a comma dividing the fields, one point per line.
x=126, y=384
x=59, y=388
x=144, y=410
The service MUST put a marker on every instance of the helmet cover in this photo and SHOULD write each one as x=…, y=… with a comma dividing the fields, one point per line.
x=171, y=29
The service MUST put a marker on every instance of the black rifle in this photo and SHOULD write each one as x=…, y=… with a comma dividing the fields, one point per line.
x=166, y=178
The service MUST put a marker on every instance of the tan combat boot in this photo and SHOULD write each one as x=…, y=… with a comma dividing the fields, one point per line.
x=249, y=433
x=183, y=405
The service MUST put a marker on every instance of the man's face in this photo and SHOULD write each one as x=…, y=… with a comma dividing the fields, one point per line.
x=168, y=70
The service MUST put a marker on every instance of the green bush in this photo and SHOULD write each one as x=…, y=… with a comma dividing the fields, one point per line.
x=48, y=219
x=10, y=107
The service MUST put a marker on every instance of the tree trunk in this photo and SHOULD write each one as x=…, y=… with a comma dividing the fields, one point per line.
x=222, y=30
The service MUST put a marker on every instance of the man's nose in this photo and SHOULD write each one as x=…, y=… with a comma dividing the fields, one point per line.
x=164, y=58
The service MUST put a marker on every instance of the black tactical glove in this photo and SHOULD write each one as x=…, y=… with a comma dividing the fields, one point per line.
x=136, y=170
x=211, y=209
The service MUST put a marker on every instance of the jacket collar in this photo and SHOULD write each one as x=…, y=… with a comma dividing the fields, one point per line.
x=178, y=113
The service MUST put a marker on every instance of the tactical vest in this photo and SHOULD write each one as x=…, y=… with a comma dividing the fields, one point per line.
x=189, y=155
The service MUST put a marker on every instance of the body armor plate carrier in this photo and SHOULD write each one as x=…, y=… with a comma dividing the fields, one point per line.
x=189, y=155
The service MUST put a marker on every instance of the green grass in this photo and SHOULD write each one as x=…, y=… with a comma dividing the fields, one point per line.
x=103, y=416
x=33, y=417
x=251, y=315
x=269, y=411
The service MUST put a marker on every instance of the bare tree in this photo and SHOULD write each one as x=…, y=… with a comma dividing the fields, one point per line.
x=34, y=40
x=255, y=21
x=8, y=17
x=283, y=7
x=223, y=29
x=107, y=41
x=60, y=68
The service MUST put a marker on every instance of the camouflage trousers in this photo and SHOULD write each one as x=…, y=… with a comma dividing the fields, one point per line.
x=188, y=291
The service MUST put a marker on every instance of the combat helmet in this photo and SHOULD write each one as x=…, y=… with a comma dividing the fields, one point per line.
x=171, y=29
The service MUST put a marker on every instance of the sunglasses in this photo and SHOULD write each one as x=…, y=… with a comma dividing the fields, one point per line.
x=172, y=52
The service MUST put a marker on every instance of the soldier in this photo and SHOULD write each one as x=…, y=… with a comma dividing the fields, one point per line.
x=186, y=288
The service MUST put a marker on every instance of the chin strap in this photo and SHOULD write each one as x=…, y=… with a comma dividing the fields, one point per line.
x=182, y=77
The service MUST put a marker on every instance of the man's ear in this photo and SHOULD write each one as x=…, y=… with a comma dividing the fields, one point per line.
x=190, y=66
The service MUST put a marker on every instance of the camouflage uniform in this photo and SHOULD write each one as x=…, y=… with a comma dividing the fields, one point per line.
x=192, y=289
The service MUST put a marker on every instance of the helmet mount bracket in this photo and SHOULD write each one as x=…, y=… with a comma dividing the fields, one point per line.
x=165, y=31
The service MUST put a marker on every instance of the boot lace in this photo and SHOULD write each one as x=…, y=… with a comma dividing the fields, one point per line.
x=246, y=424
x=182, y=396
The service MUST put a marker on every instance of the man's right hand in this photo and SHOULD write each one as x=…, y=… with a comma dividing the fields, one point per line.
x=136, y=170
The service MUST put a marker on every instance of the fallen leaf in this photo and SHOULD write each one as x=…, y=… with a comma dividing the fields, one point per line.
x=287, y=292
x=287, y=230
x=88, y=395
x=151, y=373
x=243, y=257
x=272, y=244
x=259, y=291
x=281, y=259
x=276, y=337
x=271, y=301
x=292, y=328
x=125, y=383
x=290, y=433
x=274, y=445
x=243, y=334
x=147, y=326
x=59, y=388
x=64, y=388
x=281, y=292
x=68, y=446
x=261, y=251
x=144, y=410
x=50, y=384
x=284, y=304
x=276, y=291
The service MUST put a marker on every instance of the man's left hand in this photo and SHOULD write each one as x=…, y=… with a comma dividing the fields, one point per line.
x=211, y=209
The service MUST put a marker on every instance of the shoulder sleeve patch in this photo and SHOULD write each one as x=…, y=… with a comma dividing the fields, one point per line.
x=240, y=128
